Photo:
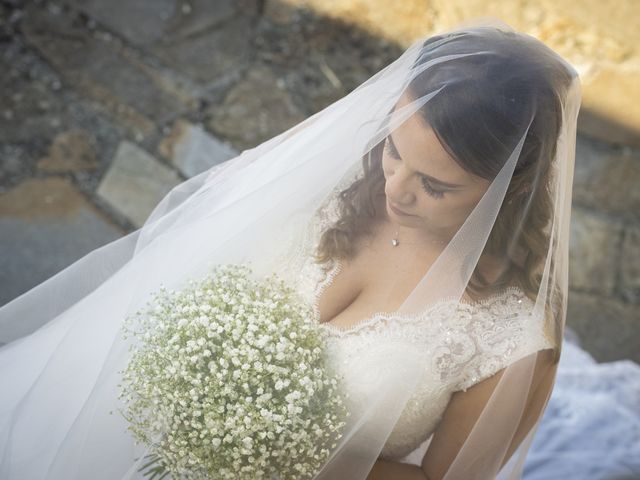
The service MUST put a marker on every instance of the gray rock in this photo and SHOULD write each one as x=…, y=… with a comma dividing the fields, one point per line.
x=146, y=22
x=630, y=266
x=25, y=99
x=593, y=251
x=11, y=162
x=70, y=150
x=255, y=109
x=135, y=183
x=192, y=150
x=111, y=74
x=608, y=329
x=203, y=39
x=213, y=56
x=46, y=225
x=607, y=179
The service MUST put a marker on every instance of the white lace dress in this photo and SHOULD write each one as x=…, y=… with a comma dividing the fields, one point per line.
x=465, y=343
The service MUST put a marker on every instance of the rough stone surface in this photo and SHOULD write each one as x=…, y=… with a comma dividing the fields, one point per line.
x=630, y=266
x=72, y=150
x=212, y=56
x=136, y=182
x=46, y=225
x=38, y=108
x=12, y=164
x=202, y=38
x=607, y=179
x=612, y=105
x=399, y=22
x=608, y=329
x=111, y=74
x=192, y=150
x=317, y=58
x=255, y=109
x=594, y=250
x=28, y=108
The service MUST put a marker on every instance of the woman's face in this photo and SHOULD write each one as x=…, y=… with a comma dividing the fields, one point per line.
x=424, y=181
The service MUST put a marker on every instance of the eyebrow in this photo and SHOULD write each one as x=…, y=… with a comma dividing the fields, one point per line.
x=429, y=177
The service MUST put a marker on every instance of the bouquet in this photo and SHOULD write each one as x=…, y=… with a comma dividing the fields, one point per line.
x=228, y=379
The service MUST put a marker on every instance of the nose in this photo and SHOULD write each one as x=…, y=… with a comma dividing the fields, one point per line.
x=398, y=188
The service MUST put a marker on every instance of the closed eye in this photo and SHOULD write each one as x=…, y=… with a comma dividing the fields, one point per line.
x=426, y=186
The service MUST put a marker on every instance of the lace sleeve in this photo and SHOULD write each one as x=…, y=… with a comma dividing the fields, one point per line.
x=500, y=340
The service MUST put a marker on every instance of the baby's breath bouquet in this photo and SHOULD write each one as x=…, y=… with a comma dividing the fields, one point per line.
x=228, y=380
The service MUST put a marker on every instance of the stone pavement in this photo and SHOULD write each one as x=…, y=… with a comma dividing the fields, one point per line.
x=106, y=106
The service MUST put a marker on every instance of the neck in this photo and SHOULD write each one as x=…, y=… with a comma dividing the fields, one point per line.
x=413, y=235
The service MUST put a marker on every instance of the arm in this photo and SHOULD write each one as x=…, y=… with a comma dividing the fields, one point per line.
x=466, y=406
x=389, y=470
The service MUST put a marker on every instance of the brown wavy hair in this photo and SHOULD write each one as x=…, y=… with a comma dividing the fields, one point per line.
x=479, y=116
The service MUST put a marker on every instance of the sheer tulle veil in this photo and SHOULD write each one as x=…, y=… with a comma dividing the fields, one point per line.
x=500, y=102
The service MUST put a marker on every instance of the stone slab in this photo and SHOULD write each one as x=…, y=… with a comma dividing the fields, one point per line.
x=45, y=225
x=70, y=150
x=192, y=150
x=106, y=71
x=203, y=39
x=213, y=56
x=630, y=266
x=608, y=329
x=594, y=249
x=254, y=110
x=146, y=22
x=607, y=179
x=135, y=183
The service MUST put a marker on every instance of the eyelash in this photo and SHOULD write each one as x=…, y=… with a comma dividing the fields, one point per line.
x=425, y=185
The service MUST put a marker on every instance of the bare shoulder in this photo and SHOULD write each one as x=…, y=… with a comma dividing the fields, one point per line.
x=466, y=407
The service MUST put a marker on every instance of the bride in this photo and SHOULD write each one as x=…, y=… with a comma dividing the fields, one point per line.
x=423, y=217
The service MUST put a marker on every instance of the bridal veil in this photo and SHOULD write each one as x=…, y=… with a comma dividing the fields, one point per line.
x=500, y=103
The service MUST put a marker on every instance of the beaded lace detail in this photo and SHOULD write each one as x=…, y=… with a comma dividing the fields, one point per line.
x=381, y=316
x=463, y=344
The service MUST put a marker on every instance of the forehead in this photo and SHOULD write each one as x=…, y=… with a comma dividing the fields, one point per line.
x=419, y=146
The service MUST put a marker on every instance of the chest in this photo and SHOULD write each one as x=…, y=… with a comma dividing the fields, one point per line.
x=377, y=279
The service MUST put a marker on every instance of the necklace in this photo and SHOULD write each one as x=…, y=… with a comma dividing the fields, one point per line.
x=395, y=242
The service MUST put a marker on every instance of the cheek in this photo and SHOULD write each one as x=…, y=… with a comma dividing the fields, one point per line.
x=449, y=209
x=459, y=208
x=386, y=164
x=435, y=209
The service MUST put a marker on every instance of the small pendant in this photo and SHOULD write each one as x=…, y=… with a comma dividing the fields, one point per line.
x=394, y=242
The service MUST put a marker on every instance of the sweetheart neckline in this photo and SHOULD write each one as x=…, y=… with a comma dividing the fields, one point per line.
x=336, y=266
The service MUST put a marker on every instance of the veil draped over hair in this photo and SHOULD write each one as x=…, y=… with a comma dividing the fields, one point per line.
x=462, y=358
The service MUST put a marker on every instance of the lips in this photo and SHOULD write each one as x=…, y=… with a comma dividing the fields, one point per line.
x=397, y=210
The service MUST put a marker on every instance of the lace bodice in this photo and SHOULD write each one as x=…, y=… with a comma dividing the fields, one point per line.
x=463, y=343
